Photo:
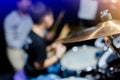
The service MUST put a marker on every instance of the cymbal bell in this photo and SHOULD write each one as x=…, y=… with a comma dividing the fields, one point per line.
x=107, y=28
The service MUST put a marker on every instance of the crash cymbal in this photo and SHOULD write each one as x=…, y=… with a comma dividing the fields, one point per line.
x=107, y=28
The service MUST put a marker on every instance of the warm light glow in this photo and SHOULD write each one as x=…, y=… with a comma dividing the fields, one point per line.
x=114, y=1
x=114, y=25
x=105, y=1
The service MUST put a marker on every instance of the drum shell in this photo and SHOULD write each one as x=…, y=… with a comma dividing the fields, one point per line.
x=75, y=53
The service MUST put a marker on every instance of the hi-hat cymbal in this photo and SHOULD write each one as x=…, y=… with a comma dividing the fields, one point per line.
x=107, y=28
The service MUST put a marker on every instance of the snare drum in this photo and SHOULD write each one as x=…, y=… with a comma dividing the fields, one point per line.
x=78, y=59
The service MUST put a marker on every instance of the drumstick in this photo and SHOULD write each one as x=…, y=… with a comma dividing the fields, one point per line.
x=65, y=30
x=109, y=43
x=60, y=17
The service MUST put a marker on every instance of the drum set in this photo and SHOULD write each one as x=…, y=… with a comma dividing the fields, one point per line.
x=82, y=61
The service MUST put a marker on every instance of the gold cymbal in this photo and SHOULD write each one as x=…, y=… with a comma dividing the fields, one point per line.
x=107, y=28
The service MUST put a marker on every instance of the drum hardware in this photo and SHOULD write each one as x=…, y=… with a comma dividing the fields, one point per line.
x=107, y=27
x=100, y=43
x=74, y=78
x=78, y=73
x=110, y=69
x=109, y=72
x=110, y=30
x=109, y=42
x=115, y=68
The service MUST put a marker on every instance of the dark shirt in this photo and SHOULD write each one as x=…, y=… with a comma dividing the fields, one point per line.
x=36, y=52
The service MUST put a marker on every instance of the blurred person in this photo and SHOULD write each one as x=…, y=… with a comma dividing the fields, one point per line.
x=17, y=26
x=37, y=50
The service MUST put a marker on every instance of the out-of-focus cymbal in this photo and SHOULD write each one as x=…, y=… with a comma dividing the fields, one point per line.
x=107, y=28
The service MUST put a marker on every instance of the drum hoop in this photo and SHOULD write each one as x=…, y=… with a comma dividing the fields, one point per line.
x=66, y=67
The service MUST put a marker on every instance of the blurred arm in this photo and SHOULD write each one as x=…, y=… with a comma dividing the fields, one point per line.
x=60, y=50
